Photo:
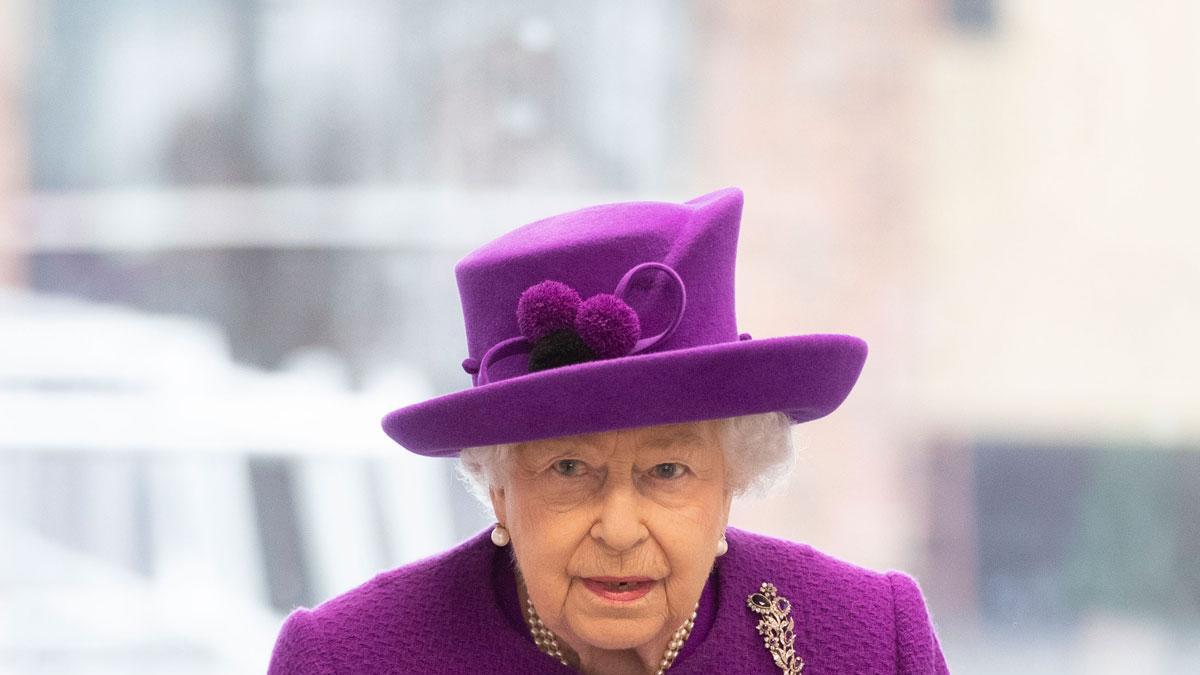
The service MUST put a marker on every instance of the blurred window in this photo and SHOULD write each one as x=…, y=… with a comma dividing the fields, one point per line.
x=1068, y=531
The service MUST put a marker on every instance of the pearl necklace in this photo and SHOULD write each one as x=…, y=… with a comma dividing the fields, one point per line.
x=545, y=640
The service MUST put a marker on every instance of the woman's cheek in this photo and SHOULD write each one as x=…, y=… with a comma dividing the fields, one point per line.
x=546, y=555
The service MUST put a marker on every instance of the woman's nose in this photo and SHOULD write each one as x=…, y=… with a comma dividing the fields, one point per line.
x=620, y=525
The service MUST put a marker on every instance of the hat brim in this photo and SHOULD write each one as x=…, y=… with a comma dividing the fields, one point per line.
x=804, y=376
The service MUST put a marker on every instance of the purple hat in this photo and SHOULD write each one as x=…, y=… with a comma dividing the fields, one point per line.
x=613, y=316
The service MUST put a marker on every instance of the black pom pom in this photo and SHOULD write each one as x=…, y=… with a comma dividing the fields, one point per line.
x=559, y=348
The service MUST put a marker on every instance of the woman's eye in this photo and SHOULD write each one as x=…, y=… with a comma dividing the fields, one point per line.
x=668, y=471
x=568, y=467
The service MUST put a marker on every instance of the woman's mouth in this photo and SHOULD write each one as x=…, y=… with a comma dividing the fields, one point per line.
x=620, y=589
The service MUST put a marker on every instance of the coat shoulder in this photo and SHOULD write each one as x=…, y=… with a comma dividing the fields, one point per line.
x=423, y=588
x=415, y=604
x=846, y=614
x=800, y=563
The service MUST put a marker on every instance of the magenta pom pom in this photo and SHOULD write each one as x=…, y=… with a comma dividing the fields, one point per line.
x=607, y=325
x=545, y=308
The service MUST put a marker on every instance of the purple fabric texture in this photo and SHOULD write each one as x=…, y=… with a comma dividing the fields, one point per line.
x=458, y=613
x=700, y=370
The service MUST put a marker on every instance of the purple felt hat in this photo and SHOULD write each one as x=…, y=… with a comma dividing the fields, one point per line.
x=614, y=316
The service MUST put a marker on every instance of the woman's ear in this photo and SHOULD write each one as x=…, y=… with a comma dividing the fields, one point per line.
x=499, y=506
x=725, y=511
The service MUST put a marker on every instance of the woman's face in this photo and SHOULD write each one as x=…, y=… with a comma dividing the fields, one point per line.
x=645, y=507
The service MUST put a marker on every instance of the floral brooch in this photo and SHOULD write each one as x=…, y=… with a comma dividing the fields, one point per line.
x=776, y=626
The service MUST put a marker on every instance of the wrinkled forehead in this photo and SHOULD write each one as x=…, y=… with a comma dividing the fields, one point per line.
x=685, y=434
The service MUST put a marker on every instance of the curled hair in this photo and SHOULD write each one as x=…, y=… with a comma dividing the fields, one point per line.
x=758, y=450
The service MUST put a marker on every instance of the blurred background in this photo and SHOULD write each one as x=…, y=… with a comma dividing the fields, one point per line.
x=227, y=233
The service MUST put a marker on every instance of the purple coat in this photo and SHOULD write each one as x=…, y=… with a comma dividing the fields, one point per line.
x=457, y=612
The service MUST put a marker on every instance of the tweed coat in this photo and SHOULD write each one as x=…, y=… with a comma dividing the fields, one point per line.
x=457, y=612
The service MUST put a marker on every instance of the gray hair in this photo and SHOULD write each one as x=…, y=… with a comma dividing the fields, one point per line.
x=758, y=450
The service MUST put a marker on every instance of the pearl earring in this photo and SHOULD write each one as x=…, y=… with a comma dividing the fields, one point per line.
x=722, y=546
x=500, y=535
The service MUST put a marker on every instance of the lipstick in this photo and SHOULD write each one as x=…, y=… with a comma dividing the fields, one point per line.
x=619, y=589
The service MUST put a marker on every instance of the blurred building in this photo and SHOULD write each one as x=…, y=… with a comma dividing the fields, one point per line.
x=994, y=194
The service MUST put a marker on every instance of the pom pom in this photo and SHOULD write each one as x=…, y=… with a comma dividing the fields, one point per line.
x=607, y=325
x=560, y=348
x=546, y=307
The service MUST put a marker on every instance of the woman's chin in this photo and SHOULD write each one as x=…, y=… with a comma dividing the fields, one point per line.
x=614, y=634
x=608, y=624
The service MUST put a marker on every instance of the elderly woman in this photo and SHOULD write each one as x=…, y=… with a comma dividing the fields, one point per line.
x=615, y=414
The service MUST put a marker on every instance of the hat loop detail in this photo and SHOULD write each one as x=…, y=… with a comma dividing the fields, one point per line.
x=646, y=343
x=521, y=345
